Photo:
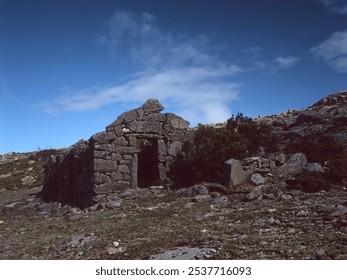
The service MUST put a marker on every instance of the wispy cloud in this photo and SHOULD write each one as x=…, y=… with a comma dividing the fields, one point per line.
x=282, y=62
x=180, y=71
x=254, y=51
x=334, y=51
x=8, y=94
x=139, y=35
x=336, y=6
x=192, y=90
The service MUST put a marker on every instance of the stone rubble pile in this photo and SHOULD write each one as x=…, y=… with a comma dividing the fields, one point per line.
x=261, y=170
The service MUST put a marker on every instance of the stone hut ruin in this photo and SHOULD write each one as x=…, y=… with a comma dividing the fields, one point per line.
x=137, y=150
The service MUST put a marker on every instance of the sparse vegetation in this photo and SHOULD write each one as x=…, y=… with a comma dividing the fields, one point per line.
x=324, y=150
x=203, y=158
x=317, y=149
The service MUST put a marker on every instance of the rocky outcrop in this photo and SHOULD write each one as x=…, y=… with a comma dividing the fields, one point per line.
x=136, y=150
x=327, y=117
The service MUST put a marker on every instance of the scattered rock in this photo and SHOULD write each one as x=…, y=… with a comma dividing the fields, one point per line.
x=341, y=210
x=320, y=253
x=194, y=191
x=294, y=165
x=9, y=208
x=257, y=179
x=76, y=217
x=314, y=167
x=259, y=222
x=286, y=196
x=255, y=193
x=32, y=204
x=63, y=211
x=49, y=207
x=184, y=253
x=208, y=216
x=221, y=202
x=115, y=248
x=202, y=198
x=28, y=180
x=128, y=194
x=242, y=237
x=78, y=241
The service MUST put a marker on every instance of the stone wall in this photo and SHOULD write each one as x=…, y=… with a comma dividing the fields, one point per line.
x=136, y=150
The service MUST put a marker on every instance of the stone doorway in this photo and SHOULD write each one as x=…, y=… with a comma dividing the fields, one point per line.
x=148, y=162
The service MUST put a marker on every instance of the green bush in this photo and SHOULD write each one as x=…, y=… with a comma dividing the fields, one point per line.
x=321, y=149
x=257, y=134
x=313, y=182
x=203, y=158
x=337, y=170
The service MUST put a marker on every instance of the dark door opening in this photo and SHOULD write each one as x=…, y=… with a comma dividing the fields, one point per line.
x=148, y=173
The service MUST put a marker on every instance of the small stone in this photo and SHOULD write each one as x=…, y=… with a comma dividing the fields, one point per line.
x=128, y=194
x=221, y=202
x=1, y=222
x=286, y=196
x=116, y=244
x=206, y=217
x=76, y=217
x=242, y=237
x=255, y=193
x=257, y=179
x=111, y=250
x=114, y=204
x=194, y=191
x=259, y=222
x=63, y=211
x=341, y=210
x=95, y=207
x=189, y=205
x=320, y=252
x=202, y=198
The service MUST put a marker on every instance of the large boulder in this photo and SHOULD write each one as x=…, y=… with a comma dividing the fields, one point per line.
x=294, y=165
x=233, y=173
x=314, y=167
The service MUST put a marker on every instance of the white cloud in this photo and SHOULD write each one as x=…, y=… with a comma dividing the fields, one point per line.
x=334, y=51
x=336, y=6
x=254, y=51
x=285, y=62
x=181, y=72
x=140, y=37
x=193, y=91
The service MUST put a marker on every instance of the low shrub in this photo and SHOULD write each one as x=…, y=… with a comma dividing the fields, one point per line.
x=317, y=149
x=203, y=158
x=313, y=182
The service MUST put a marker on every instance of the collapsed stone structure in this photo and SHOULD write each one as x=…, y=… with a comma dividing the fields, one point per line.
x=136, y=150
x=260, y=170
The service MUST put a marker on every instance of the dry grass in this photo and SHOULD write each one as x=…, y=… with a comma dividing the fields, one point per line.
x=152, y=223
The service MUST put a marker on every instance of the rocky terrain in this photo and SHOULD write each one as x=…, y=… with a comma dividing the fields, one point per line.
x=257, y=215
x=326, y=117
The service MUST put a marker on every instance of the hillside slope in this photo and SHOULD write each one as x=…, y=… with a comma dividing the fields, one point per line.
x=206, y=221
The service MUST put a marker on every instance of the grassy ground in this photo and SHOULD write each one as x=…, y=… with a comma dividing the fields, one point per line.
x=159, y=220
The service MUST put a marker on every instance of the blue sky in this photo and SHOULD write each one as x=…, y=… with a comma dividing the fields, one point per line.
x=68, y=68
